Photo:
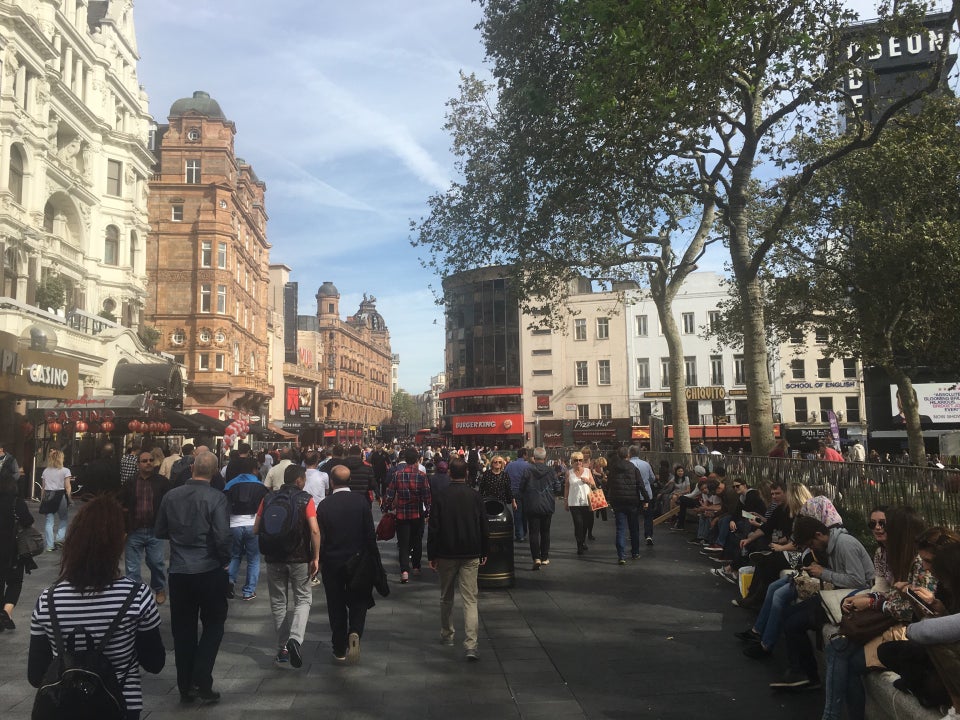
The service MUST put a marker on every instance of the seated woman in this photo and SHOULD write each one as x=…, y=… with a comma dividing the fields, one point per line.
x=928, y=661
x=89, y=594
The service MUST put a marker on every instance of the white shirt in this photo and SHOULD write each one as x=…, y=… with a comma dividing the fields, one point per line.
x=317, y=484
x=274, y=479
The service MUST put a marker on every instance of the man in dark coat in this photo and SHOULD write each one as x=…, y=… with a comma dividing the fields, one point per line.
x=627, y=494
x=539, y=487
x=141, y=499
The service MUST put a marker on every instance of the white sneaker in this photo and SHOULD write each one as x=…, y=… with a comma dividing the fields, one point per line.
x=952, y=714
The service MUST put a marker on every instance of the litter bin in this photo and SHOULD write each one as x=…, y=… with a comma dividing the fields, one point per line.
x=498, y=572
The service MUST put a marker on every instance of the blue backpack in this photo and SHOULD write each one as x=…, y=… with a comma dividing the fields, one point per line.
x=279, y=534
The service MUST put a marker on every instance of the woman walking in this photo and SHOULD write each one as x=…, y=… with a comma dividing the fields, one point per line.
x=576, y=498
x=56, y=497
x=14, y=514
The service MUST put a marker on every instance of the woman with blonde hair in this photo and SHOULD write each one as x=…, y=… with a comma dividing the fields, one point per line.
x=577, y=487
x=495, y=483
x=57, y=493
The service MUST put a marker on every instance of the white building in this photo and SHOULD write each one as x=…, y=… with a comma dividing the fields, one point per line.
x=74, y=164
x=715, y=380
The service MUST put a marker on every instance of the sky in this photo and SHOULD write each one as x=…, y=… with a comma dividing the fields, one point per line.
x=339, y=108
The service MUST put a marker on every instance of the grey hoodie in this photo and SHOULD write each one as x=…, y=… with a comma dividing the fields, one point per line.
x=935, y=631
x=850, y=564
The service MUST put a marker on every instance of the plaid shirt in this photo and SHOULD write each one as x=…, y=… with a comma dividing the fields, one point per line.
x=409, y=493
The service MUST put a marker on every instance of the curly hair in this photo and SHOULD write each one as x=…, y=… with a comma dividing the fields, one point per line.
x=93, y=545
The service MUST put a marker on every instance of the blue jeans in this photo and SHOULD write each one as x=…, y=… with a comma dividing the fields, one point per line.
x=140, y=541
x=846, y=666
x=723, y=529
x=703, y=527
x=648, y=521
x=627, y=519
x=519, y=523
x=780, y=594
x=245, y=544
x=62, y=526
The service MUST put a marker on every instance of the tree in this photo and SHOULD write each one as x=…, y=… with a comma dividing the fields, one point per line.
x=404, y=408
x=50, y=294
x=618, y=119
x=872, y=253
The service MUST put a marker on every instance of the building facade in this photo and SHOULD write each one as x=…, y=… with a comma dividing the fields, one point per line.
x=354, y=395
x=74, y=165
x=714, y=376
x=208, y=258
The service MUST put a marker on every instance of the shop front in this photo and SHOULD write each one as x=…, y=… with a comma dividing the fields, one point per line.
x=603, y=434
x=504, y=430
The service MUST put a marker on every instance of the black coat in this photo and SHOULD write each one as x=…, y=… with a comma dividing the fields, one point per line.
x=625, y=490
x=539, y=488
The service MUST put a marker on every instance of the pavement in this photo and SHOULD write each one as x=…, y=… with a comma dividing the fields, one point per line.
x=580, y=638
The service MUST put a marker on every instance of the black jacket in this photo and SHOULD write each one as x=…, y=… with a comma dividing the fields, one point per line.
x=458, y=524
x=346, y=528
x=539, y=488
x=625, y=488
x=128, y=499
x=362, y=479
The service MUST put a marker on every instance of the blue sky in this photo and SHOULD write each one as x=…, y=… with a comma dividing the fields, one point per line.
x=339, y=107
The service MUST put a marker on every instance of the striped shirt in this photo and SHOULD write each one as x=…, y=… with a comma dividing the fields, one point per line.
x=95, y=612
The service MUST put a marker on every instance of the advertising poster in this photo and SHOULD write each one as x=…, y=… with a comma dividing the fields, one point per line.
x=939, y=404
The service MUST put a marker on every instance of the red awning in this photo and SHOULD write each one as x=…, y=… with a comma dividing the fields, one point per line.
x=330, y=433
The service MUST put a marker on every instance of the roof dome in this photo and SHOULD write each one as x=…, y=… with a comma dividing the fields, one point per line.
x=328, y=289
x=200, y=103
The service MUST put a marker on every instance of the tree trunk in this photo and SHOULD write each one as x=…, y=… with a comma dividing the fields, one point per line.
x=911, y=414
x=678, y=382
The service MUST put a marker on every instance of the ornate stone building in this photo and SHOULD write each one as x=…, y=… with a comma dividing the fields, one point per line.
x=74, y=165
x=208, y=258
x=354, y=396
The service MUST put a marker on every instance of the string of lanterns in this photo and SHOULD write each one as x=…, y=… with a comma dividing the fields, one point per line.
x=107, y=426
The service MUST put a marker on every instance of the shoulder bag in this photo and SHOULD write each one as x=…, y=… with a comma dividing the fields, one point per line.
x=387, y=527
x=50, y=501
x=598, y=501
x=862, y=626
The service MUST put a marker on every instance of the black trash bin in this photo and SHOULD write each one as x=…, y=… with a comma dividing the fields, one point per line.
x=498, y=572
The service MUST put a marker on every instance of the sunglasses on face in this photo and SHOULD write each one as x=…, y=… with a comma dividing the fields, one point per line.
x=874, y=524
x=577, y=460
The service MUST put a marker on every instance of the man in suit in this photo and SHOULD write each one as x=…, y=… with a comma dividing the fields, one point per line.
x=346, y=528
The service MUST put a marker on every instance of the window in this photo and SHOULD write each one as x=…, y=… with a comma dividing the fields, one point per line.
x=193, y=172
x=713, y=317
x=797, y=370
x=826, y=404
x=718, y=412
x=643, y=413
x=222, y=299
x=580, y=329
x=693, y=412
x=739, y=371
x=15, y=177
x=206, y=253
x=222, y=255
x=180, y=359
x=114, y=175
x=665, y=372
x=581, y=366
x=583, y=412
x=176, y=212
x=800, y=409
x=603, y=372
x=823, y=368
x=542, y=372
x=606, y=411
x=742, y=409
x=849, y=368
x=716, y=370
x=690, y=370
x=177, y=337
x=796, y=336
x=689, y=326
x=853, y=408
x=821, y=335
x=643, y=373
x=219, y=362
x=205, y=298
x=111, y=246
x=541, y=351
x=133, y=249
x=203, y=361
x=641, y=323
x=603, y=328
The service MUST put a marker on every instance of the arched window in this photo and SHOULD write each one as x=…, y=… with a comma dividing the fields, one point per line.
x=15, y=180
x=133, y=249
x=111, y=246
x=49, y=215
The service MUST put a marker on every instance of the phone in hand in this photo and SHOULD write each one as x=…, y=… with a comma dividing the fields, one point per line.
x=924, y=606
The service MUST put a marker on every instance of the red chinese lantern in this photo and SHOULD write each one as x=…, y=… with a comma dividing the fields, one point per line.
x=133, y=426
x=106, y=426
x=81, y=426
x=54, y=427
x=166, y=427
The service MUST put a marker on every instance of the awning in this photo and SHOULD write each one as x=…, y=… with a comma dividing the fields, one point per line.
x=194, y=422
x=277, y=430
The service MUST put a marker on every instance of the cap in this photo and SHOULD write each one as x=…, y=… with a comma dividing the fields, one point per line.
x=700, y=470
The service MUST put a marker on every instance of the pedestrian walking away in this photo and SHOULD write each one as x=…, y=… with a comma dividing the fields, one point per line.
x=244, y=493
x=538, y=490
x=409, y=495
x=141, y=498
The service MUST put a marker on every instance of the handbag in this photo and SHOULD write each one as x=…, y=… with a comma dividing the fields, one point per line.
x=598, y=501
x=807, y=585
x=387, y=527
x=50, y=501
x=30, y=542
x=864, y=625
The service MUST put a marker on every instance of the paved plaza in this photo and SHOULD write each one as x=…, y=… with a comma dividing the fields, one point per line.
x=581, y=638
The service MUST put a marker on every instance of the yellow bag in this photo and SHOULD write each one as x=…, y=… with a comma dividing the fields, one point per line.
x=745, y=576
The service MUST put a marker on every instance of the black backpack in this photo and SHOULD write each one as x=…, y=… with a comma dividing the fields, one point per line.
x=279, y=533
x=82, y=684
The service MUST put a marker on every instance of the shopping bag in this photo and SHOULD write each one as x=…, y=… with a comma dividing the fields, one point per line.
x=598, y=501
x=745, y=577
x=387, y=527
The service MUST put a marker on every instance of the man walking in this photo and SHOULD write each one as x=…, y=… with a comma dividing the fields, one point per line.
x=244, y=493
x=346, y=528
x=141, y=499
x=539, y=488
x=293, y=557
x=627, y=495
x=457, y=545
x=274, y=478
x=515, y=470
x=409, y=494
x=195, y=518
x=649, y=479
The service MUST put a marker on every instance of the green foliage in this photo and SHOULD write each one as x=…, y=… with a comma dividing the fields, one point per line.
x=107, y=315
x=51, y=293
x=150, y=336
x=404, y=408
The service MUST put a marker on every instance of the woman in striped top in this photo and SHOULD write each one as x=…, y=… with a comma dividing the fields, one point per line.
x=89, y=593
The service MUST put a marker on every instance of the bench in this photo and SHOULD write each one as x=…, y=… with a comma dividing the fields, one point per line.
x=885, y=702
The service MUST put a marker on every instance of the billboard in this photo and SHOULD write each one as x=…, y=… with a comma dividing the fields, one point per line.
x=939, y=404
x=298, y=402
